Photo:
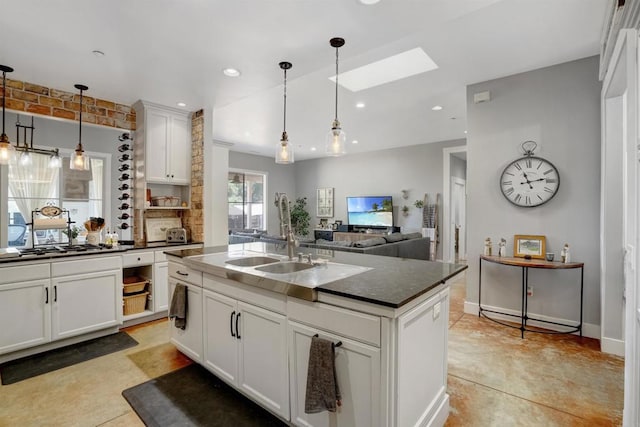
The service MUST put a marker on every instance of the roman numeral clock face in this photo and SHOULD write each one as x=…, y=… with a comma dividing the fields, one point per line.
x=530, y=181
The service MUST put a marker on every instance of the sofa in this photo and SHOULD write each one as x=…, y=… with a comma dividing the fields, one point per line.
x=411, y=245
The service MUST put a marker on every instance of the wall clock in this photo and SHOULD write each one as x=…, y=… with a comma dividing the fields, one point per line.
x=530, y=180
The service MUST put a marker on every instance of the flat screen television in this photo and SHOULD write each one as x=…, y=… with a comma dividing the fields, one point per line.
x=370, y=211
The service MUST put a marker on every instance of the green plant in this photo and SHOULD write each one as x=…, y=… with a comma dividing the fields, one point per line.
x=75, y=230
x=419, y=204
x=405, y=210
x=300, y=218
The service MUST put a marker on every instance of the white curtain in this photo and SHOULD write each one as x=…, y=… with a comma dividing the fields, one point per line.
x=34, y=185
x=95, y=187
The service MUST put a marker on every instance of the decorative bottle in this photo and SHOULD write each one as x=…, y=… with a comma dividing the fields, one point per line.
x=487, y=246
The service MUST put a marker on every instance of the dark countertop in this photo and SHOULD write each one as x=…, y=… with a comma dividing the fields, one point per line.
x=391, y=282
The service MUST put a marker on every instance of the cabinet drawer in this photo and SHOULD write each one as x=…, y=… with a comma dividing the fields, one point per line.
x=134, y=259
x=351, y=324
x=66, y=268
x=185, y=274
x=24, y=273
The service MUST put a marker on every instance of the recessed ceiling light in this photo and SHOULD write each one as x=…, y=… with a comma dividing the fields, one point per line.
x=360, y=105
x=181, y=104
x=313, y=148
x=247, y=133
x=436, y=108
x=396, y=67
x=465, y=131
x=368, y=2
x=231, y=72
x=98, y=53
x=355, y=141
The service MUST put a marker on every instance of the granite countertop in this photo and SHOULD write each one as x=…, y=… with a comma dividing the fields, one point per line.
x=390, y=281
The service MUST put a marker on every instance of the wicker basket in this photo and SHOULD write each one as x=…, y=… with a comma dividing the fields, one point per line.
x=133, y=284
x=135, y=303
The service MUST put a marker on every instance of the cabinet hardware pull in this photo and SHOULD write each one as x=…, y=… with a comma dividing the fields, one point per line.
x=338, y=344
x=237, y=331
x=231, y=324
x=181, y=273
x=47, y=297
x=55, y=293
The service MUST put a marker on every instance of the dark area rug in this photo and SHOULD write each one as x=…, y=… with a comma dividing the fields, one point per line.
x=52, y=360
x=192, y=396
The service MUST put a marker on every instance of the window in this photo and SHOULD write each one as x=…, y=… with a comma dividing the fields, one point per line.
x=245, y=194
x=34, y=186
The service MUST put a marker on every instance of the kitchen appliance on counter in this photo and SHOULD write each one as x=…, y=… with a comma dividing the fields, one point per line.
x=177, y=235
x=9, y=253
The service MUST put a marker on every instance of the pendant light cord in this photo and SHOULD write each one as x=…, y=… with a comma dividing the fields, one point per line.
x=284, y=126
x=4, y=95
x=80, y=127
x=336, y=84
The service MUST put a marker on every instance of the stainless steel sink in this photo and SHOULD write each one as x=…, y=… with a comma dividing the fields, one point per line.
x=252, y=261
x=285, y=267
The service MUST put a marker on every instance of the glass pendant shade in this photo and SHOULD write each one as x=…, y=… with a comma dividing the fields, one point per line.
x=336, y=141
x=7, y=151
x=79, y=160
x=25, y=159
x=284, y=151
x=55, y=161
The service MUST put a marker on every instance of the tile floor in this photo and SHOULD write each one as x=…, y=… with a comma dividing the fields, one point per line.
x=495, y=379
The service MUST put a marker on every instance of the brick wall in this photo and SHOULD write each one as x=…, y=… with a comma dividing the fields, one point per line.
x=36, y=99
x=193, y=219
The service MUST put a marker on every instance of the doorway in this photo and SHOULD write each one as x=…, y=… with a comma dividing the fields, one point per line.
x=454, y=170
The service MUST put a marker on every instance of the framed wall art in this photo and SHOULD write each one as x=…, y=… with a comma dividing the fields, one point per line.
x=324, y=202
x=527, y=246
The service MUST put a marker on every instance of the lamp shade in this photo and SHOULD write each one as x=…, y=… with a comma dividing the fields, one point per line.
x=79, y=160
x=335, y=144
x=284, y=151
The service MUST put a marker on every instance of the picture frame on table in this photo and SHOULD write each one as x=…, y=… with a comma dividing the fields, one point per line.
x=529, y=246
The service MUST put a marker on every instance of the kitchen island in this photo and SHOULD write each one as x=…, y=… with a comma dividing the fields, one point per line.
x=252, y=314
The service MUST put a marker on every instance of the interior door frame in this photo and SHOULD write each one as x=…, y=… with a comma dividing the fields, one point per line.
x=448, y=254
x=462, y=240
x=621, y=80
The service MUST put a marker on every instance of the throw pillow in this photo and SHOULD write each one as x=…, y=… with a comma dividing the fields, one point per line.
x=415, y=235
x=395, y=237
x=370, y=242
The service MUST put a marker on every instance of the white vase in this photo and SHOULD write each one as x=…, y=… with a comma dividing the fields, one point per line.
x=93, y=238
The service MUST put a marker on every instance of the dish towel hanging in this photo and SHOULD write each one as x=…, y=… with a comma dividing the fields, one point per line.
x=323, y=393
x=178, y=308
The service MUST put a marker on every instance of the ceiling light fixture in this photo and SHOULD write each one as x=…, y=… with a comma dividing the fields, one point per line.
x=27, y=148
x=231, y=72
x=284, y=150
x=7, y=152
x=79, y=160
x=360, y=105
x=335, y=143
x=436, y=108
x=181, y=104
x=368, y=2
x=355, y=141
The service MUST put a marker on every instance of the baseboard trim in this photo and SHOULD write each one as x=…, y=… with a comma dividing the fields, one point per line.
x=589, y=330
x=612, y=346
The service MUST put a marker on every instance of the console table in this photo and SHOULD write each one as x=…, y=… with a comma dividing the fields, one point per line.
x=354, y=237
x=526, y=264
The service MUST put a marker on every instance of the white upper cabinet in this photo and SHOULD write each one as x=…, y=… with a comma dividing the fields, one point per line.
x=166, y=133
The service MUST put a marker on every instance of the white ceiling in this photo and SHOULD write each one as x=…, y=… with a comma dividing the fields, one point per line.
x=169, y=51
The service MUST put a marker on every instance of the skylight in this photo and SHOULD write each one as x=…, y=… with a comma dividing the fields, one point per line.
x=396, y=67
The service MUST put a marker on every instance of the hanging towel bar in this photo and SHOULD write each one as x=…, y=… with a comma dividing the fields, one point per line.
x=338, y=344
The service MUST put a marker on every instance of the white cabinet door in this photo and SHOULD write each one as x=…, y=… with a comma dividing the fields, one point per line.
x=158, y=134
x=358, y=375
x=422, y=362
x=86, y=302
x=179, y=152
x=219, y=330
x=264, y=368
x=25, y=313
x=189, y=340
x=160, y=286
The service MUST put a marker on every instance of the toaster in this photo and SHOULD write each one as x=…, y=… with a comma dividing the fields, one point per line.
x=176, y=236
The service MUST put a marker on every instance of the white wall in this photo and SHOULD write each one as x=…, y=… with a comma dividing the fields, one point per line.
x=380, y=173
x=559, y=108
x=458, y=168
x=280, y=178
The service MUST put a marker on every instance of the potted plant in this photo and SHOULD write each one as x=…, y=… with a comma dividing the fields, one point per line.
x=75, y=231
x=419, y=204
x=300, y=218
x=405, y=210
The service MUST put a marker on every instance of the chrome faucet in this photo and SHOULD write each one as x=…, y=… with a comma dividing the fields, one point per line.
x=288, y=234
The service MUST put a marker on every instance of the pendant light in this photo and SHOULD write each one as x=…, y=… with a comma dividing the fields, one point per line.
x=284, y=150
x=79, y=160
x=336, y=138
x=7, y=151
